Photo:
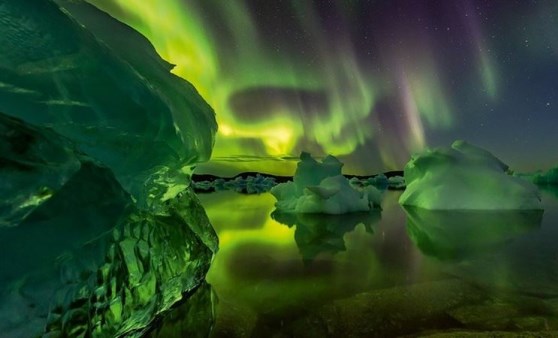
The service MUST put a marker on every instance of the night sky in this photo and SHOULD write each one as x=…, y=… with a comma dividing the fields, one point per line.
x=369, y=81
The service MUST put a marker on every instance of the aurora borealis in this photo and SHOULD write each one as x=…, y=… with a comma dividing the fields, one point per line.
x=368, y=81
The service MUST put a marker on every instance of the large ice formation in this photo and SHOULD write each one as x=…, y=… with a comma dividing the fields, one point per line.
x=465, y=177
x=321, y=188
x=96, y=81
x=99, y=229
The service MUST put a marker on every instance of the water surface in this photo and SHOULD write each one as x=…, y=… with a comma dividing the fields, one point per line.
x=387, y=273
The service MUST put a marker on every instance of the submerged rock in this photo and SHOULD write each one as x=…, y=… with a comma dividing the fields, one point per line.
x=491, y=334
x=465, y=177
x=392, y=312
x=234, y=321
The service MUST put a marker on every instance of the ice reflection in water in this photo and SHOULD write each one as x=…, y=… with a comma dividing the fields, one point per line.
x=193, y=317
x=458, y=235
x=317, y=233
x=527, y=264
x=401, y=273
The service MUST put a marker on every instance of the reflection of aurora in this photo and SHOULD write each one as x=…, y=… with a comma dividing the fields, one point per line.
x=307, y=89
x=259, y=266
x=259, y=262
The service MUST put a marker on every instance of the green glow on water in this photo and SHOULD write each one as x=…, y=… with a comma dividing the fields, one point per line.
x=259, y=262
x=406, y=266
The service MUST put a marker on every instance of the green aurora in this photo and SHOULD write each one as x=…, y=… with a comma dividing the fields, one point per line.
x=358, y=82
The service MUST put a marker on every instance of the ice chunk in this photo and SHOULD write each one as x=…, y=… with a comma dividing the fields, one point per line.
x=34, y=164
x=396, y=182
x=320, y=188
x=311, y=172
x=99, y=230
x=464, y=177
x=85, y=259
x=380, y=181
x=249, y=184
x=246, y=184
x=101, y=84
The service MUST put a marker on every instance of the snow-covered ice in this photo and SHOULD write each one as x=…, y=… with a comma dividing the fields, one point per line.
x=321, y=188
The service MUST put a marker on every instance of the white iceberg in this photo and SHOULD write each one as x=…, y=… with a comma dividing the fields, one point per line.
x=396, y=182
x=465, y=177
x=321, y=188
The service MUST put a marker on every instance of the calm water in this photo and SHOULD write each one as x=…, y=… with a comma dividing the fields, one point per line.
x=397, y=272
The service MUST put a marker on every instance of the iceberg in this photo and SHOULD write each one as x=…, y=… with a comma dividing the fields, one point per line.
x=380, y=181
x=321, y=188
x=396, y=182
x=465, y=177
x=242, y=184
x=88, y=262
x=100, y=231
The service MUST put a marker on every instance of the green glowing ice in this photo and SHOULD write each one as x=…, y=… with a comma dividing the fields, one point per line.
x=550, y=177
x=116, y=100
x=87, y=262
x=319, y=187
x=37, y=164
x=465, y=177
x=100, y=233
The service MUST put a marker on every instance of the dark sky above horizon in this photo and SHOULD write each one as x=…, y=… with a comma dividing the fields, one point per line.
x=370, y=81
